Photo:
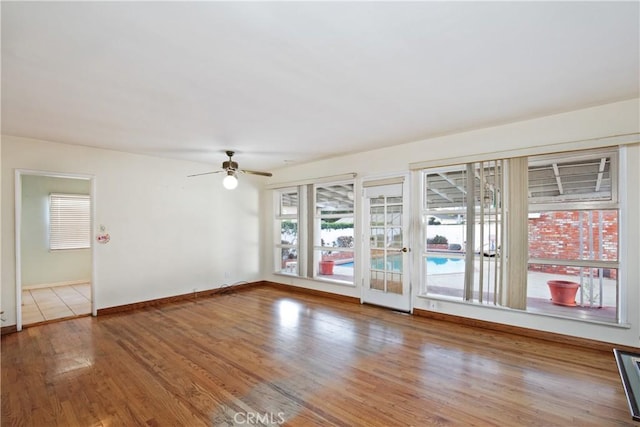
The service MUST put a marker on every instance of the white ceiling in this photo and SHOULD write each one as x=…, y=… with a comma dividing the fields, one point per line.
x=298, y=81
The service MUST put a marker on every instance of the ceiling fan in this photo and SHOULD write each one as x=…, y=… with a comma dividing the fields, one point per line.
x=231, y=168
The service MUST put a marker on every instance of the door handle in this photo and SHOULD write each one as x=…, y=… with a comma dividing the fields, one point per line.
x=405, y=250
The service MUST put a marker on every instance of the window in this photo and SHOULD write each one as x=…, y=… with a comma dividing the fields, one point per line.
x=314, y=229
x=461, y=217
x=573, y=230
x=554, y=217
x=333, y=231
x=69, y=221
x=287, y=221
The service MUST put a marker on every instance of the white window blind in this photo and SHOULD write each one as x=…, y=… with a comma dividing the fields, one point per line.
x=69, y=221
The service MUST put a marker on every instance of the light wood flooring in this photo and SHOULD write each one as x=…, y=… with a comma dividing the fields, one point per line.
x=293, y=359
x=60, y=302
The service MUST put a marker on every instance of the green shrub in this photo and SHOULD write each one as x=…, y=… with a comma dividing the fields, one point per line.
x=289, y=227
x=335, y=225
x=438, y=240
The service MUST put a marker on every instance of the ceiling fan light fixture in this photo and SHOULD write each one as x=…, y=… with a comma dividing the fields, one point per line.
x=230, y=181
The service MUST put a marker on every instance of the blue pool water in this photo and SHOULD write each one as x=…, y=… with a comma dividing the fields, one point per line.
x=434, y=265
x=376, y=263
x=444, y=265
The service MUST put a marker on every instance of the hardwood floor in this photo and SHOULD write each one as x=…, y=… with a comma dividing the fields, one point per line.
x=267, y=357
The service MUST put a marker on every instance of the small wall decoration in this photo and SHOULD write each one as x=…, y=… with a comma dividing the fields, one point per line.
x=103, y=237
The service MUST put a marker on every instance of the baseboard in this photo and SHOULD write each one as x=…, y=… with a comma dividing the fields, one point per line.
x=527, y=332
x=176, y=298
x=298, y=289
x=8, y=329
x=222, y=290
x=56, y=284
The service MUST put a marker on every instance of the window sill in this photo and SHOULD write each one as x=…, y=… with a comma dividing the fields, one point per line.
x=533, y=313
x=315, y=279
x=335, y=282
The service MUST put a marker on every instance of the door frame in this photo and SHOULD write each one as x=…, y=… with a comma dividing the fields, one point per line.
x=408, y=239
x=19, y=173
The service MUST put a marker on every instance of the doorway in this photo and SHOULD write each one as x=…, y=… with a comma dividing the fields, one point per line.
x=54, y=251
x=386, y=251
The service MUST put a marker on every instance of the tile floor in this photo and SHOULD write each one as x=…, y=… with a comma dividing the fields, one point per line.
x=39, y=305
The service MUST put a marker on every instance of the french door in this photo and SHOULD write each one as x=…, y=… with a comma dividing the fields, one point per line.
x=386, y=252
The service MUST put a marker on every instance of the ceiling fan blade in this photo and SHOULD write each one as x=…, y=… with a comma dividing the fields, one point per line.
x=204, y=173
x=256, y=172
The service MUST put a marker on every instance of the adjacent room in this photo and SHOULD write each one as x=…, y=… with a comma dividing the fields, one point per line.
x=320, y=213
x=55, y=258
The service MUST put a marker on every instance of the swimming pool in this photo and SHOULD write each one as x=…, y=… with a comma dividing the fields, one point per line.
x=438, y=265
x=393, y=262
x=435, y=265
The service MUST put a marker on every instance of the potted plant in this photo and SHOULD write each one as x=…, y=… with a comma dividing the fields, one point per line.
x=326, y=264
x=326, y=267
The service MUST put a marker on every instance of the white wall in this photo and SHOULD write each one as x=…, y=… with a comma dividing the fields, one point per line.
x=41, y=266
x=169, y=234
x=576, y=129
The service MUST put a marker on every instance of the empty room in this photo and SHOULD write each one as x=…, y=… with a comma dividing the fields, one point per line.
x=320, y=213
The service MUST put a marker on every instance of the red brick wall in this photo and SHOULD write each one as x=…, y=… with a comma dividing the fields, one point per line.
x=556, y=235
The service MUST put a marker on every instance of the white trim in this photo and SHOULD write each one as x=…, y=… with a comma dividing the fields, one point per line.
x=94, y=305
x=54, y=174
x=324, y=179
x=381, y=182
x=18, y=247
x=610, y=141
x=623, y=244
x=575, y=263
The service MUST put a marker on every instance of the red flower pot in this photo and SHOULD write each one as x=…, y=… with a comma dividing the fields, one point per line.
x=563, y=292
x=326, y=267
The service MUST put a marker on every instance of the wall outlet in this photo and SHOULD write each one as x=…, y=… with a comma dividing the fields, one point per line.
x=227, y=274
